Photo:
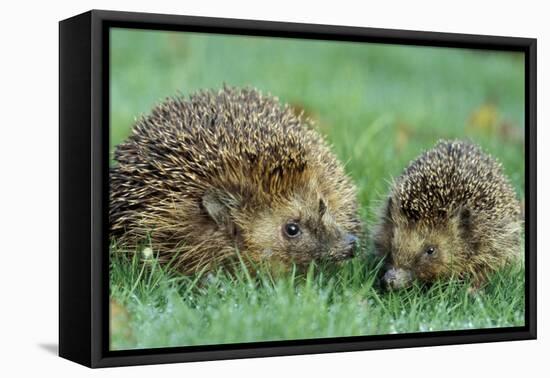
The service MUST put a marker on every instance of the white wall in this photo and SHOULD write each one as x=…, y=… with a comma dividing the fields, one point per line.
x=28, y=185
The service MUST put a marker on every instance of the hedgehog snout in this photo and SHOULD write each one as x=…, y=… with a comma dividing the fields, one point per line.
x=397, y=278
x=347, y=248
x=351, y=245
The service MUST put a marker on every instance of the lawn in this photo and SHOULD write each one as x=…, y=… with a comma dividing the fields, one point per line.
x=379, y=106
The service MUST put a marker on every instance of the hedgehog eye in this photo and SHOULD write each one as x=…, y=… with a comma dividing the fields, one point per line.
x=292, y=230
x=430, y=251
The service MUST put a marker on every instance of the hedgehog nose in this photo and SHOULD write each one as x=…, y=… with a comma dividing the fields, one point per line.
x=396, y=278
x=351, y=240
x=389, y=278
x=351, y=244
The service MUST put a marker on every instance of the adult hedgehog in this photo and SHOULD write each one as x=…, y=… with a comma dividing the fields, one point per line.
x=220, y=173
x=452, y=212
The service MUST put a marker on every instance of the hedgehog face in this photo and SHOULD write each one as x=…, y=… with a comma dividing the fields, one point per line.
x=298, y=231
x=418, y=253
x=417, y=250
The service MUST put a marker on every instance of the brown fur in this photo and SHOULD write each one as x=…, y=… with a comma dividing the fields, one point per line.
x=224, y=171
x=456, y=199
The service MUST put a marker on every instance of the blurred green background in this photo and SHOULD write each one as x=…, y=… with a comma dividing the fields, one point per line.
x=378, y=105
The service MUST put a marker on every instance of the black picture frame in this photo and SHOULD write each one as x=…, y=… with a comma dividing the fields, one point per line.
x=83, y=181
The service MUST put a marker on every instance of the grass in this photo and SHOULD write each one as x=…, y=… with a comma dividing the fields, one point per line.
x=379, y=106
x=163, y=308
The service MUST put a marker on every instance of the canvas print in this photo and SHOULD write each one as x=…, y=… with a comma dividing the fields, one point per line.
x=274, y=189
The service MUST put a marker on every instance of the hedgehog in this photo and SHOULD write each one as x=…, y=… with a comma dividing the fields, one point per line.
x=451, y=213
x=231, y=175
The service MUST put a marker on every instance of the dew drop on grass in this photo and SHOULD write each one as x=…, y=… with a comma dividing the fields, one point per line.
x=147, y=253
x=468, y=325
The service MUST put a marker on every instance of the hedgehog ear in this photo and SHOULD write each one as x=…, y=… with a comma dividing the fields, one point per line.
x=322, y=208
x=388, y=209
x=464, y=217
x=217, y=208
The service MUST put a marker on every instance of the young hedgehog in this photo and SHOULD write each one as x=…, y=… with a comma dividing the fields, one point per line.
x=452, y=212
x=220, y=173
